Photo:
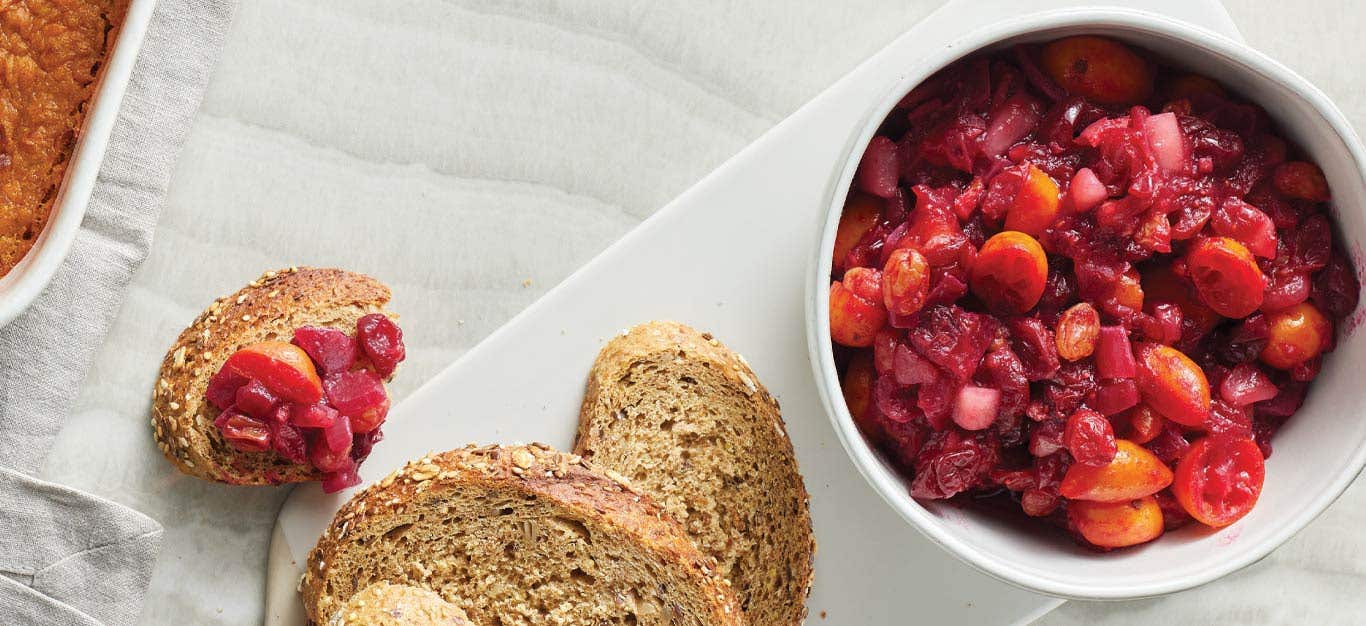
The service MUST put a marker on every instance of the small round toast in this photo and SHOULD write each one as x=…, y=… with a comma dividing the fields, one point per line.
x=270, y=307
x=383, y=604
x=519, y=536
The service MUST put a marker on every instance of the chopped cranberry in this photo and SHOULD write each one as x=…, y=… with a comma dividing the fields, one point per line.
x=337, y=435
x=950, y=464
x=1174, y=516
x=1170, y=444
x=1039, y=503
x=1047, y=438
x=1034, y=344
x=1247, y=225
x=953, y=339
x=281, y=414
x=1313, y=243
x=947, y=285
x=1189, y=234
x=359, y=395
x=333, y=350
x=1287, y=285
x=1050, y=470
x=339, y=480
x=1285, y=403
x=1014, y=480
x=1244, y=342
x=288, y=442
x=327, y=459
x=364, y=443
x=884, y=349
x=312, y=415
x=912, y=369
x=1115, y=396
x=891, y=400
x=1228, y=418
x=1060, y=290
x=255, y=400
x=1163, y=324
x=1308, y=370
x=936, y=400
x=1076, y=382
x=382, y=341
x=1336, y=290
x=1090, y=438
x=1191, y=218
x=1262, y=432
x=1002, y=370
x=222, y=389
x=243, y=432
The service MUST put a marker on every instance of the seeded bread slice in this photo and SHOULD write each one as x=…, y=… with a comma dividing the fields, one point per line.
x=383, y=604
x=270, y=307
x=686, y=421
x=517, y=536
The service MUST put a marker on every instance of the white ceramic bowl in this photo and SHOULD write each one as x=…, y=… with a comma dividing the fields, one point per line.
x=1317, y=453
x=25, y=281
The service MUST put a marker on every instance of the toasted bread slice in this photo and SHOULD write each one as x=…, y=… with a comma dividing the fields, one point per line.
x=383, y=604
x=519, y=535
x=270, y=307
x=686, y=421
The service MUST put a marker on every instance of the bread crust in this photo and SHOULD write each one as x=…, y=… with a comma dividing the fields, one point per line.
x=661, y=341
x=537, y=471
x=271, y=306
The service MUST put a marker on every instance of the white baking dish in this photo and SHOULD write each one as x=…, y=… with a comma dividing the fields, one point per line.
x=1317, y=454
x=22, y=284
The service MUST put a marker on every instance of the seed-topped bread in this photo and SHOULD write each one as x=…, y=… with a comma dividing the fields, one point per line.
x=383, y=604
x=519, y=535
x=686, y=420
x=269, y=308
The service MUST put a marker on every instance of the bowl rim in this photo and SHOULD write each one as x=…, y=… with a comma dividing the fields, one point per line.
x=821, y=352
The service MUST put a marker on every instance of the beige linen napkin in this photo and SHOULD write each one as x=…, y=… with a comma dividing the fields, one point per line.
x=68, y=557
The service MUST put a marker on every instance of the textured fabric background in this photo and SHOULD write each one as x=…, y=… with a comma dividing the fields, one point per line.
x=455, y=148
x=69, y=557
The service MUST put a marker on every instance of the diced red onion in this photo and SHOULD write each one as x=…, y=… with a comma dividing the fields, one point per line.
x=1011, y=123
x=878, y=171
x=1247, y=384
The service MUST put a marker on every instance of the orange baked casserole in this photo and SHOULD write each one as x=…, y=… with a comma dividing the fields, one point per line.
x=51, y=52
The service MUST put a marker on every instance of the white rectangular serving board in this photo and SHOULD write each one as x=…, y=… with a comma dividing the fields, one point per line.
x=729, y=256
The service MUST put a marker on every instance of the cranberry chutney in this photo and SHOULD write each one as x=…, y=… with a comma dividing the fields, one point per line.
x=1077, y=280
